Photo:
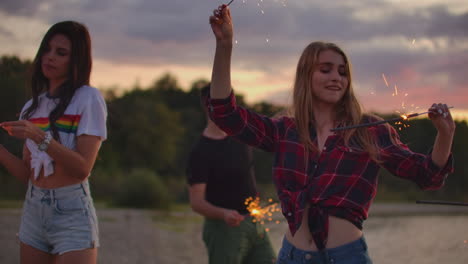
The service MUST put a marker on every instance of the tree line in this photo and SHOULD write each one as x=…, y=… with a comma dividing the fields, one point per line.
x=151, y=131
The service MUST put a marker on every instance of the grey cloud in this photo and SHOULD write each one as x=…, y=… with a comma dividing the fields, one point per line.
x=178, y=20
x=7, y=33
x=369, y=67
x=445, y=24
x=453, y=64
x=23, y=7
x=177, y=31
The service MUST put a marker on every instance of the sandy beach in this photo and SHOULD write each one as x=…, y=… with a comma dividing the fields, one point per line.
x=396, y=233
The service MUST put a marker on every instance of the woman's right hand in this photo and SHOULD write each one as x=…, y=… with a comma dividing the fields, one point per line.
x=221, y=24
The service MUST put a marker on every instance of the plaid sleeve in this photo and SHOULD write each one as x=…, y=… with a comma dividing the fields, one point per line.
x=401, y=161
x=249, y=127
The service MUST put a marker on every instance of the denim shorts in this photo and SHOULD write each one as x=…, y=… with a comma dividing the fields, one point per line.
x=354, y=252
x=59, y=220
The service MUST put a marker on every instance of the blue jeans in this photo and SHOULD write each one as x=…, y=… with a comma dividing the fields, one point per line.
x=59, y=220
x=352, y=253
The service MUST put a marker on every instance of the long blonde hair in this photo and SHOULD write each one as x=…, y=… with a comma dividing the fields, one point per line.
x=348, y=111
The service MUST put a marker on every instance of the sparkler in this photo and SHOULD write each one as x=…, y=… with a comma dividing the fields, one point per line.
x=441, y=203
x=230, y=2
x=261, y=214
x=396, y=119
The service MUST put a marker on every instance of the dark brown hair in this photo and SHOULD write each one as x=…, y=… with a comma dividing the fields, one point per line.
x=78, y=73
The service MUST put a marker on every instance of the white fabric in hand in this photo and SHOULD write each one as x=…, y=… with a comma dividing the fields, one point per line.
x=39, y=160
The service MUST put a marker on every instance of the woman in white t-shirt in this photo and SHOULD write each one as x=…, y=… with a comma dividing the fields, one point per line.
x=63, y=126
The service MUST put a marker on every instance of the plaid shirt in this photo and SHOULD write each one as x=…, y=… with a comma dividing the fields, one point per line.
x=340, y=180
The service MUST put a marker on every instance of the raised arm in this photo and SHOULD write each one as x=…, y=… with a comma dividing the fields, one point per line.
x=443, y=122
x=221, y=24
x=428, y=171
x=247, y=126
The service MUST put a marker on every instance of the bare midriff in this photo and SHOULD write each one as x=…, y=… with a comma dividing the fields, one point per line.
x=340, y=232
x=59, y=178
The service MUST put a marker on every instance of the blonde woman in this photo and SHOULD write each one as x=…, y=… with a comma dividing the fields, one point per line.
x=325, y=181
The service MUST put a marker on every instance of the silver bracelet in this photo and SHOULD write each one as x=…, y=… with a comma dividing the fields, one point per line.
x=44, y=145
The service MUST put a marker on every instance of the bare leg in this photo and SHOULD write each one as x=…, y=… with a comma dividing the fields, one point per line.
x=30, y=255
x=88, y=256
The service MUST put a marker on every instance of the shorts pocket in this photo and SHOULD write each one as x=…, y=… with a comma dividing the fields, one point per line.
x=70, y=205
x=283, y=257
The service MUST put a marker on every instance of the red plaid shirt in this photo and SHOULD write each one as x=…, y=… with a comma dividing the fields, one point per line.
x=339, y=181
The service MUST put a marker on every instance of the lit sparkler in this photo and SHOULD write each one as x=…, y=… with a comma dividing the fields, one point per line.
x=396, y=119
x=261, y=214
x=230, y=2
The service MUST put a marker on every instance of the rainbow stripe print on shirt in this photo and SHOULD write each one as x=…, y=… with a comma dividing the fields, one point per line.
x=65, y=124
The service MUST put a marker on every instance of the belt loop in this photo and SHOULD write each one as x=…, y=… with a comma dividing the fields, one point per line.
x=84, y=189
x=52, y=195
x=291, y=253
x=30, y=189
x=363, y=243
x=325, y=256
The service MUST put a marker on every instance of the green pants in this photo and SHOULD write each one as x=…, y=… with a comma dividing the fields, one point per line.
x=246, y=243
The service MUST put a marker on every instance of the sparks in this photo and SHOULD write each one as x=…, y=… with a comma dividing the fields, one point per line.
x=259, y=213
x=385, y=79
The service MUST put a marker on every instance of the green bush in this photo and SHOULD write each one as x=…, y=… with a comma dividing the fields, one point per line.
x=143, y=188
x=105, y=183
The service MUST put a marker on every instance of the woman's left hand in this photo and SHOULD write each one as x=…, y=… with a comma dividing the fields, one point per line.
x=23, y=130
x=442, y=119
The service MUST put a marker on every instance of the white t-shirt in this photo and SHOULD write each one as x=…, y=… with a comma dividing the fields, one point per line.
x=85, y=115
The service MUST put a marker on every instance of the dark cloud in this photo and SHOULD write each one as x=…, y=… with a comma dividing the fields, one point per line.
x=160, y=32
x=138, y=27
x=445, y=24
x=23, y=7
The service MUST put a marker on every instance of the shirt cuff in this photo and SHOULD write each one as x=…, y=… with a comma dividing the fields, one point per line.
x=448, y=167
x=221, y=107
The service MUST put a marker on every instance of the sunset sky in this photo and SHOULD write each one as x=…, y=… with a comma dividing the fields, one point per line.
x=421, y=46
